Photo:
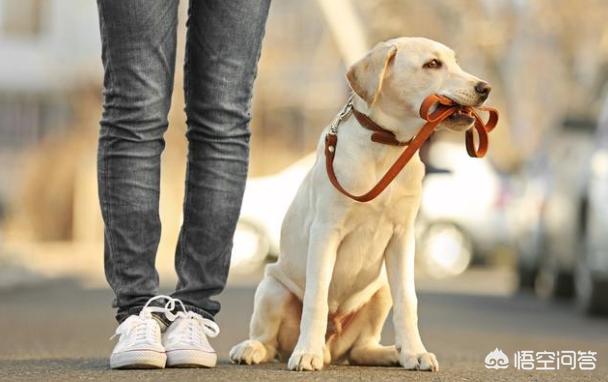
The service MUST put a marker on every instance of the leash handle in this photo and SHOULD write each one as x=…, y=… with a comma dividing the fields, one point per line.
x=444, y=107
x=482, y=130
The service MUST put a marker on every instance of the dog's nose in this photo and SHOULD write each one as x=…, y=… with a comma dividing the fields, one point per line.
x=483, y=88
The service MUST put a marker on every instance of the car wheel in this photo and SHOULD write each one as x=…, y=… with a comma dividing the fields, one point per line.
x=553, y=282
x=591, y=293
x=445, y=250
x=526, y=277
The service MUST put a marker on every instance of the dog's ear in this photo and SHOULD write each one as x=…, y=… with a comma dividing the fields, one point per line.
x=366, y=75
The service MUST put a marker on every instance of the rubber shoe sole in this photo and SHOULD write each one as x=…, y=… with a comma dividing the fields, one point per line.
x=138, y=359
x=191, y=358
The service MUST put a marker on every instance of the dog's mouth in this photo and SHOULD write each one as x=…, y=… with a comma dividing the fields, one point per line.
x=462, y=119
x=463, y=116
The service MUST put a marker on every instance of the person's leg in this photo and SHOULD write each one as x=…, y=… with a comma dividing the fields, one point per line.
x=138, y=54
x=222, y=50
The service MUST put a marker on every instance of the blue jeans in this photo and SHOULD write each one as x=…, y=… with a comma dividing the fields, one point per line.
x=138, y=52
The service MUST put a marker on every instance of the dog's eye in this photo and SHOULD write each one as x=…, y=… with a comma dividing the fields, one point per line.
x=433, y=64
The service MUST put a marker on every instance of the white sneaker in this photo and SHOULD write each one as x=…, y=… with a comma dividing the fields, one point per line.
x=139, y=344
x=185, y=340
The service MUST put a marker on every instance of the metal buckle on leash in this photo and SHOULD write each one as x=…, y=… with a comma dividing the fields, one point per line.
x=343, y=114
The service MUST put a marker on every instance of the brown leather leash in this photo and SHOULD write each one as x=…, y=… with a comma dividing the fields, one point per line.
x=444, y=107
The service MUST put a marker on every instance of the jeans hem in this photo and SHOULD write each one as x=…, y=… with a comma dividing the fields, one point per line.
x=198, y=310
x=123, y=314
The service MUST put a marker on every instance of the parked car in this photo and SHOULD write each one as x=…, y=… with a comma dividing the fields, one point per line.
x=462, y=217
x=565, y=207
x=591, y=270
x=551, y=214
x=531, y=186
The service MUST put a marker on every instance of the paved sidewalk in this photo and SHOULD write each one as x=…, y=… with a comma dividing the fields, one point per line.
x=59, y=332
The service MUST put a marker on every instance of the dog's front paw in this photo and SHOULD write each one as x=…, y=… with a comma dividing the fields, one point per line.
x=419, y=361
x=303, y=360
x=428, y=362
x=249, y=352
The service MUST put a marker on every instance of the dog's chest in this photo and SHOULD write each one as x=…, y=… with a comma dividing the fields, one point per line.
x=367, y=234
x=369, y=227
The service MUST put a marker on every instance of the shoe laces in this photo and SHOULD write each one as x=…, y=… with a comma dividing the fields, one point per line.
x=194, y=323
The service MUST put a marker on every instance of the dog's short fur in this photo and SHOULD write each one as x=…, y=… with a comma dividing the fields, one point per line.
x=327, y=297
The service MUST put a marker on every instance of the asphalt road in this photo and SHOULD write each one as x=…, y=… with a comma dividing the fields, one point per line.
x=59, y=331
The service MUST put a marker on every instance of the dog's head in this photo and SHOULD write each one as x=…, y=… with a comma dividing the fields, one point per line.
x=396, y=76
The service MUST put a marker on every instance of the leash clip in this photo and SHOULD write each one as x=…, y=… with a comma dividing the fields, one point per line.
x=342, y=115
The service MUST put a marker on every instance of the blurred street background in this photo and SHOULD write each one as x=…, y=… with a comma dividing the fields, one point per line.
x=518, y=261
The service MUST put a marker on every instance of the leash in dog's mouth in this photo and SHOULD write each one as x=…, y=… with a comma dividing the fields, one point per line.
x=463, y=114
x=434, y=110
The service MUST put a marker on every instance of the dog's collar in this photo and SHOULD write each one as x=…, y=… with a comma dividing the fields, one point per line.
x=380, y=135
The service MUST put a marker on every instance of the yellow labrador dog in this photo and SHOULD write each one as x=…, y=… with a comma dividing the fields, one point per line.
x=343, y=264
